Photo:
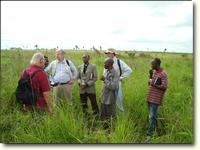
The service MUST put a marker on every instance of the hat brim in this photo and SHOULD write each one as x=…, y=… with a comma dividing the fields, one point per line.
x=107, y=51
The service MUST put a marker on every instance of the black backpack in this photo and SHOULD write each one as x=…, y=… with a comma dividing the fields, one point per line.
x=24, y=92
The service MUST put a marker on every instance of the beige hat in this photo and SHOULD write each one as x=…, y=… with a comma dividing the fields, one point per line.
x=111, y=50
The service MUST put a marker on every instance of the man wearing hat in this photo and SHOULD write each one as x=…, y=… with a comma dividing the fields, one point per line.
x=87, y=76
x=123, y=71
x=62, y=74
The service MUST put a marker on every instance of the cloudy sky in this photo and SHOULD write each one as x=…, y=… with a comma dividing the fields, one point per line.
x=124, y=25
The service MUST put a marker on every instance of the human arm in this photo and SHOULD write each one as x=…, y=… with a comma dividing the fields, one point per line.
x=93, y=76
x=112, y=82
x=104, y=72
x=126, y=70
x=164, y=83
x=73, y=69
x=45, y=89
x=48, y=70
x=79, y=75
x=48, y=101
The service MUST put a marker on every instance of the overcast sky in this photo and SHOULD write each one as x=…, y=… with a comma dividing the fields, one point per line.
x=127, y=25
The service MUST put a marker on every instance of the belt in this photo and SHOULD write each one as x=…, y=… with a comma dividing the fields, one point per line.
x=56, y=84
x=63, y=83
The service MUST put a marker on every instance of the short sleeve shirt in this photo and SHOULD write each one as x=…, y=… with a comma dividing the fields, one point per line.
x=40, y=84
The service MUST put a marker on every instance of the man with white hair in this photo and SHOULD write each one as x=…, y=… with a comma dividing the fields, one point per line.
x=39, y=83
x=62, y=74
x=123, y=71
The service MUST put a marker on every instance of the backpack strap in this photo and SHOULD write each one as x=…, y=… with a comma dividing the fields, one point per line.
x=120, y=69
x=34, y=73
x=25, y=74
x=67, y=61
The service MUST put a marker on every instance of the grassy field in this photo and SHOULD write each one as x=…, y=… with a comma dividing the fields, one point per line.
x=67, y=125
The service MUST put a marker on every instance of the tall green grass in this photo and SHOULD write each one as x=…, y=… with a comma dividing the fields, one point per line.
x=67, y=125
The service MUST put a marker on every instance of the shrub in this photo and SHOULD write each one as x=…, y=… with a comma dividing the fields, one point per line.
x=143, y=55
x=131, y=54
x=184, y=55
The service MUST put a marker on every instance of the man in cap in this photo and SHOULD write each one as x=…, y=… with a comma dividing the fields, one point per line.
x=87, y=76
x=108, y=95
x=61, y=76
x=157, y=88
x=123, y=71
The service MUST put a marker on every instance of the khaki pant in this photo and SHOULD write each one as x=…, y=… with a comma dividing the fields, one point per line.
x=63, y=90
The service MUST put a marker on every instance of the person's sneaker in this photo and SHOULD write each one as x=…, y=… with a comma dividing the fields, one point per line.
x=148, y=140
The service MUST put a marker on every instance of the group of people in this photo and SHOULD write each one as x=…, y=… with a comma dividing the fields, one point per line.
x=61, y=74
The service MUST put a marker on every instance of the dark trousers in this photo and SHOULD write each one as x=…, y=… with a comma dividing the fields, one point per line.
x=107, y=115
x=93, y=101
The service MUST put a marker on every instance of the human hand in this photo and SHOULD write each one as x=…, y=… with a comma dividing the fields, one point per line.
x=83, y=86
x=71, y=82
x=102, y=78
x=50, y=112
x=150, y=82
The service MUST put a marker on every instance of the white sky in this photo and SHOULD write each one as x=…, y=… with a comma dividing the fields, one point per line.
x=122, y=25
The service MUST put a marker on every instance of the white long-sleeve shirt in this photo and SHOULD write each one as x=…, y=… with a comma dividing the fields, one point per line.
x=126, y=70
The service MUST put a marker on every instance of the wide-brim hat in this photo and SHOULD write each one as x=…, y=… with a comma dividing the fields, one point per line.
x=111, y=50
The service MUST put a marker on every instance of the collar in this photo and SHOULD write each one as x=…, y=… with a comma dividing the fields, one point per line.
x=35, y=66
x=114, y=58
x=159, y=71
x=86, y=64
